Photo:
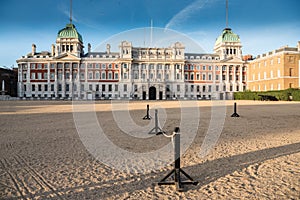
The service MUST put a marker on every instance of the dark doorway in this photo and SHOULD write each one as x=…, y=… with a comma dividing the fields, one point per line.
x=144, y=95
x=221, y=96
x=152, y=93
x=160, y=95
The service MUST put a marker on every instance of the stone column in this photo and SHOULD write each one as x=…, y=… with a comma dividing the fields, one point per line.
x=78, y=80
x=55, y=80
x=71, y=81
x=234, y=82
x=20, y=81
x=48, y=79
x=28, y=84
x=227, y=77
x=63, y=82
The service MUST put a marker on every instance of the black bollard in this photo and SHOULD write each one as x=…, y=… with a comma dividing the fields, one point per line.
x=157, y=130
x=147, y=117
x=234, y=111
x=177, y=170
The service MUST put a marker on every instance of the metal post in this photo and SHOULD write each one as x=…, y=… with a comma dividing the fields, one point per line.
x=234, y=111
x=157, y=130
x=177, y=170
x=147, y=117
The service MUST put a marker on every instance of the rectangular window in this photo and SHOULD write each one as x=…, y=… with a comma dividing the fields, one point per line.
x=209, y=88
x=116, y=88
x=217, y=77
x=39, y=87
x=125, y=76
x=52, y=87
x=25, y=88
x=178, y=88
x=90, y=87
x=39, y=66
x=209, y=77
x=82, y=76
x=217, y=88
x=39, y=76
x=33, y=76
x=291, y=71
x=103, y=88
x=192, y=88
x=116, y=76
x=223, y=77
x=67, y=75
x=46, y=75
x=203, y=77
x=125, y=88
x=59, y=87
x=203, y=88
x=109, y=87
x=33, y=88
x=24, y=76
x=82, y=87
x=46, y=88
x=67, y=87
x=110, y=75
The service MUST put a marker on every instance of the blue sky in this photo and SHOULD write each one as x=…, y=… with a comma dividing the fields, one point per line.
x=263, y=25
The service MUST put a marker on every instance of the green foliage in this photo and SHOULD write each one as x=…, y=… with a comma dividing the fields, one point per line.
x=282, y=95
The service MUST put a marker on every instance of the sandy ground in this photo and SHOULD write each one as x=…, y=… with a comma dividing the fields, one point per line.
x=42, y=155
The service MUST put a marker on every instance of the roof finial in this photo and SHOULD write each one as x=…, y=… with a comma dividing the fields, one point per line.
x=226, y=13
x=70, y=11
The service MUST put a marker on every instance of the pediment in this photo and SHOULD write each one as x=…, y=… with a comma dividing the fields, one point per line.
x=66, y=56
x=232, y=60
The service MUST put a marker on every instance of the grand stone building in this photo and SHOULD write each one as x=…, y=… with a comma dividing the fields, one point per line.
x=133, y=72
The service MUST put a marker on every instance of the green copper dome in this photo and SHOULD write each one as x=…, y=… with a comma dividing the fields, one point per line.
x=227, y=36
x=69, y=32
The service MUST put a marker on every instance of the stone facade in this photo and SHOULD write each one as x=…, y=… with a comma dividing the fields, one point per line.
x=133, y=72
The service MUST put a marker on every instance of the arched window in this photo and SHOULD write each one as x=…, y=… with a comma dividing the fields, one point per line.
x=103, y=75
x=97, y=75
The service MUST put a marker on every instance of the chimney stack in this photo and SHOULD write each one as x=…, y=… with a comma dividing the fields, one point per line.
x=52, y=50
x=33, y=49
x=108, y=48
x=89, y=48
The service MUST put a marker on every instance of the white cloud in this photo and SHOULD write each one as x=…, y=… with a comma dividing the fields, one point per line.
x=185, y=13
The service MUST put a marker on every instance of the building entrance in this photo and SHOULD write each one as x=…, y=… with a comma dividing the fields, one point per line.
x=152, y=93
